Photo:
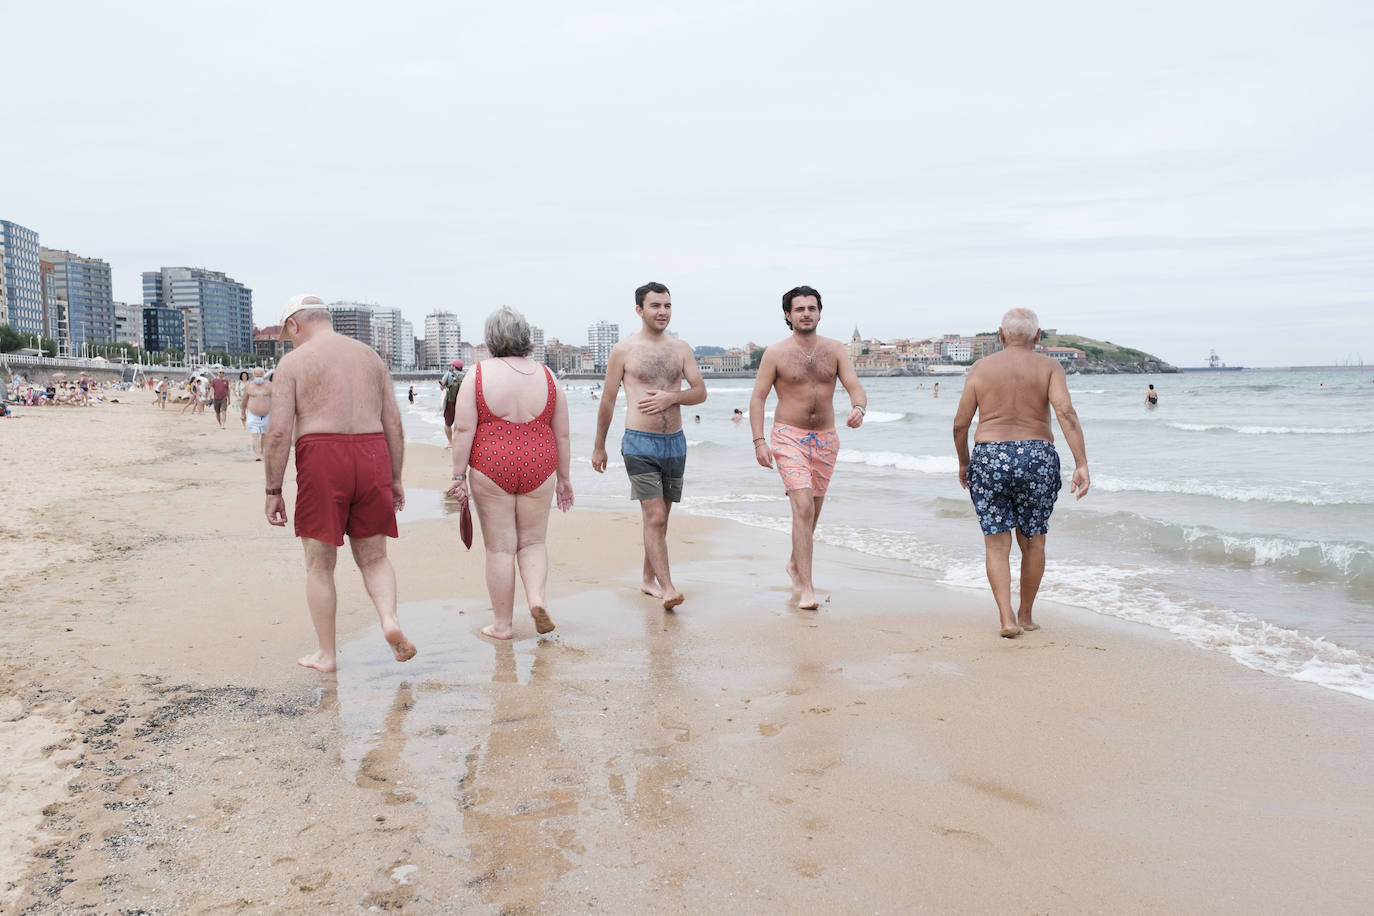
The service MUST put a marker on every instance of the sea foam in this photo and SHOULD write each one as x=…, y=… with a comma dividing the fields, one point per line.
x=1306, y=493
x=1246, y=430
x=923, y=464
x=1129, y=594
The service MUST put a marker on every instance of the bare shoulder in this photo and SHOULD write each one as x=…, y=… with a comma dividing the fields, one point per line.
x=287, y=366
x=838, y=347
x=777, y=346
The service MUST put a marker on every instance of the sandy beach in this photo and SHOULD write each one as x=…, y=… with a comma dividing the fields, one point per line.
x=160, y=750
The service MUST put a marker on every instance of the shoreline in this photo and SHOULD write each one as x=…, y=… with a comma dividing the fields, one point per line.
x=169, y=753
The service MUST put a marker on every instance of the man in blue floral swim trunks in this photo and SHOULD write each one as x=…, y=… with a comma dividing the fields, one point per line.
x=1013, y=473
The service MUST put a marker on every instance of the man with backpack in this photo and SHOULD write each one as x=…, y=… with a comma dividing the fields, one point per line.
x=451, y=381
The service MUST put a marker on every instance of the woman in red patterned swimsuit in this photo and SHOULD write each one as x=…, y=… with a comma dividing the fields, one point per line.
x=512, y=454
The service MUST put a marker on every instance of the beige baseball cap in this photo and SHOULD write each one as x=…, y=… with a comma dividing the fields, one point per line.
x=295, y=304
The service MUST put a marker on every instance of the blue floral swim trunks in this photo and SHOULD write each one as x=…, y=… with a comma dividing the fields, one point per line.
x=1014, y=485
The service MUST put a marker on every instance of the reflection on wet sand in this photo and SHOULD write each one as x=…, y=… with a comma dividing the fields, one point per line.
x=519, y=796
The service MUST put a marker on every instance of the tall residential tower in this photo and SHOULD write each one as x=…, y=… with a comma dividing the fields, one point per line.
x=218, y=309
x=21, y=291
x=81, y=290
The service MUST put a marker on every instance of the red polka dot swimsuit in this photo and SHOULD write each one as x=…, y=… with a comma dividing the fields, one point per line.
x=517, y=457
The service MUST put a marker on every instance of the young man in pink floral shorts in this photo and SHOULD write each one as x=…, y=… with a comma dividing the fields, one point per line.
x=803, y=368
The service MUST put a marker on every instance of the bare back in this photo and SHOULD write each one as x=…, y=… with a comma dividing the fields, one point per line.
x=1012, y=389
x=337, y=385
x=804, y=381
x=652, y=364
x=514, y=389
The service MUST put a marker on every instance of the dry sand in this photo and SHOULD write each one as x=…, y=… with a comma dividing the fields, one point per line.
x=161, y=752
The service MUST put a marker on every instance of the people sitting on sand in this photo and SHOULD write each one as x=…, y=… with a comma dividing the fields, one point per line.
x=512, y=456
x=1013, y=473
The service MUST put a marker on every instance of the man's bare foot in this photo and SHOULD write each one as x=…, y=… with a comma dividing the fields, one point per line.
x=1027, y=625
x=1010, y=632
x=403, y=649
x=543, y=623
x=319, y=661
x=651, y=589
x=673, y=600
x=490, y=630
x=807, y=601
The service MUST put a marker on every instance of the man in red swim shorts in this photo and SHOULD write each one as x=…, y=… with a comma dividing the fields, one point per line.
x=334, y=395
x=803, y=368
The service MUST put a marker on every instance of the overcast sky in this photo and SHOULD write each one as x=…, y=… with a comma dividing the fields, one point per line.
x=1171, y=176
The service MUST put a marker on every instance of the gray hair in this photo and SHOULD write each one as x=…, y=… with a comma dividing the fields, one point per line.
x=1020, y=324
x=508, y=333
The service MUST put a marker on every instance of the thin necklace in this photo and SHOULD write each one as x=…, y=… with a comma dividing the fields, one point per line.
x=521, y=371
x=813, y=350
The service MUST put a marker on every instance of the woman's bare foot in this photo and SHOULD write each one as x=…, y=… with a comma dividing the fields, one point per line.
x=543, y=623
x=1028, y=625
x=807, y=601
x=673, y=600
x=651, y=589
x=319, y=661
x=403, y=649
x=791, y=571
x=490, y=630
x=1010, y=632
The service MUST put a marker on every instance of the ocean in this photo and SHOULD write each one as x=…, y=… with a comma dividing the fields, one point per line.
x=1236, y=515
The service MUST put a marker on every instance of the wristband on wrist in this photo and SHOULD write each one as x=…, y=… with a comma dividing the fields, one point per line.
x=274, y=491
x=759, y=439
x=460, y=477
x=863, y=411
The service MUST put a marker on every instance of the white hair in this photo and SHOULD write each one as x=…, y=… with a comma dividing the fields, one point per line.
x=1020, y=324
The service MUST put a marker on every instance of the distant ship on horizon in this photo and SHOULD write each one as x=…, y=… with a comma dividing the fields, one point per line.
x=1214, y=364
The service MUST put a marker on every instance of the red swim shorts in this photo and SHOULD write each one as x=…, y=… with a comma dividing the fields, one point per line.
x=343, y=486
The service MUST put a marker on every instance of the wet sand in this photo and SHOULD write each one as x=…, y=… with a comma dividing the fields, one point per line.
x=160, y=750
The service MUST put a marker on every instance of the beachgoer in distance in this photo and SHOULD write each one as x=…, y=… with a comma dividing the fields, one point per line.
x=451, y=382
x=1013, y=473
x=349, y=452
x=513, y=455
x=192, y=389
x=937, y=390
x=163, y=387
x=652, y=366
x=411, y=395
x=255, y=407
x=219, y=389
x=803, y=368
x=1151, y=398
x=737, y=416
x=241, y=389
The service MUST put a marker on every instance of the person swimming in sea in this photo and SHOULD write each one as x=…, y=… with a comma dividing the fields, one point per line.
x=1151, y=398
